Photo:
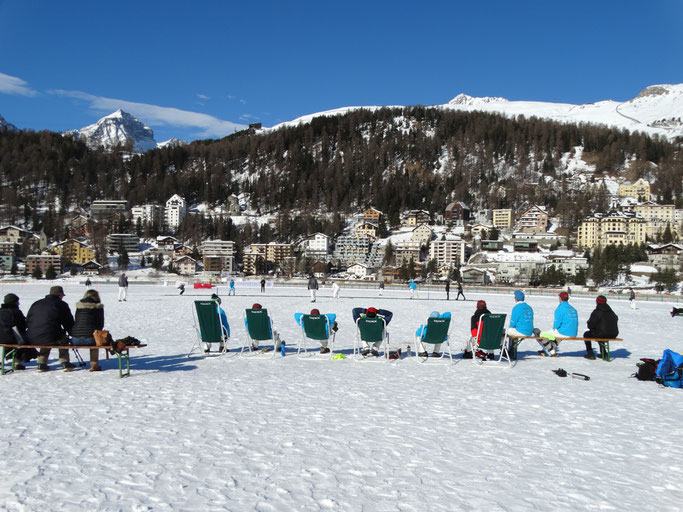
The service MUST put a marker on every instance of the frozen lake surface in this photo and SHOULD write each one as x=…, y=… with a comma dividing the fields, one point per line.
x=218, y=433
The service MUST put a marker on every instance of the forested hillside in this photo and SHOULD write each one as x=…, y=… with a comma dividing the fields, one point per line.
x=391, y=158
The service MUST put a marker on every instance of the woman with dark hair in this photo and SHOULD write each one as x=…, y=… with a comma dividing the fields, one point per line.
x=89, y=318
x=13, y=329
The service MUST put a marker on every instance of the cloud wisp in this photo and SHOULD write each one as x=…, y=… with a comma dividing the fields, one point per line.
x=17, y=86
x=207, y=125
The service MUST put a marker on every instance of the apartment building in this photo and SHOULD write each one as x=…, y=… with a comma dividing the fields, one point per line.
x=502, y=218
x=176, y=209
x=637, y=190
x=533, y=220
x=612, y=228
x=450, y=251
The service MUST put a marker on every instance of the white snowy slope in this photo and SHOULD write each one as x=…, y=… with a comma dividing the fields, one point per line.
x=220, y=433
x=658, y=109
x=117, y=128
x=6, y=126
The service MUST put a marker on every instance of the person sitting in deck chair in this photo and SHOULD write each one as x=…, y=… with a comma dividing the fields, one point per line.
x=566, y=325
x=676, y=312
x=275, y=335
x=331, y=324
x=422, y=331
x=372, y=313
x=475, y=321
x=224, y=322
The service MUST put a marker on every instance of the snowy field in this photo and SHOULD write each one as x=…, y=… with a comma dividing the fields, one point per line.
x=218, y=433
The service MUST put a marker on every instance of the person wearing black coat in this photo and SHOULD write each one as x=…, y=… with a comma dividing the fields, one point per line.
x=47, y=322
x=475, y=320
x=89, y=318
x=448, y=289
x=603, y=323
x=13, y=329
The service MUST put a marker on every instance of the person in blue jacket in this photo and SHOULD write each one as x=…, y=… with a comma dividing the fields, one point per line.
x=331, y=324
x=224, y=323
x=422, y=331
x=521, y=322
x=566, y=325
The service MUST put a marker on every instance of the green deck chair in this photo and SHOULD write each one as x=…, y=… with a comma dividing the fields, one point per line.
x=259, y=328
x=437, y=332
x=370, y=330
x=492, y=329
x=317, y=328
x=208, y=326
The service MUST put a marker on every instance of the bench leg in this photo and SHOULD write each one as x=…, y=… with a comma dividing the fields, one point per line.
x=121, y=355
x=12, y=353
x=604, y=351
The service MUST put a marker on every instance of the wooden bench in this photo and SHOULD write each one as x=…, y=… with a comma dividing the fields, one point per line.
x=603, y=343
x=10, y=351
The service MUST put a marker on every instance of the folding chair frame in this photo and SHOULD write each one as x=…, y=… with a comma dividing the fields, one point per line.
x=357, y=341
x=474, y=346
x=447, y=341
x=247, y=345
x=303, y=345
x=197, y=344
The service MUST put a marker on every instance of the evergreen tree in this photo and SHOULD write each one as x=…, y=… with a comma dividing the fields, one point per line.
x=50, y=273
x=37, y=273
x=123, y=259
x=143, y=262
x=389, y=253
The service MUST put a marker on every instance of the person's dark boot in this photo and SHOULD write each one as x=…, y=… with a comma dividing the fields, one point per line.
x=590, y=355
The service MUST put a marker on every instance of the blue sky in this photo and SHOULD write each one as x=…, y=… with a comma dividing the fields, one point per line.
x=201, y=69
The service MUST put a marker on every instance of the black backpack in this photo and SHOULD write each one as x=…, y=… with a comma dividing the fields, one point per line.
x=647, y=370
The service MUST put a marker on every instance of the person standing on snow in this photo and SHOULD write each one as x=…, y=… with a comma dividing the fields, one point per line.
x=335, y=290
x=263, y=286
x=313, y=287
x=123, y=287
x=381, y=287
x=632, y=298
x=231, y=289
x=413, y=289
x=448, y=289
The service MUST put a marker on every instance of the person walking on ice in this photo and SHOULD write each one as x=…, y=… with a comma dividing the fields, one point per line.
x=231, y=289
x=335, y=290
x=381, y=287
x=448, y=289
x=632, y=298
x=123, y=287
x=460, y=292
x=313, y=287
x=413, y=289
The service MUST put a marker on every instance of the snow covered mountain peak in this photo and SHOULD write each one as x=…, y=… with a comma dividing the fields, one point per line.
x=464, y=99
x=6, y=126
x=118, y=128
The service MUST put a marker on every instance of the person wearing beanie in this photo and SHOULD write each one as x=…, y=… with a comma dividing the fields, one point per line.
x=88, y=319
x=13, y=330
x=475, y=324
x=274, y=335
x=371, y=312
x=47, y=323
x=565, y=325
x=603, y=323
x=331, y=324
x=521, y=322
x=224, y=323
x=422, y=332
